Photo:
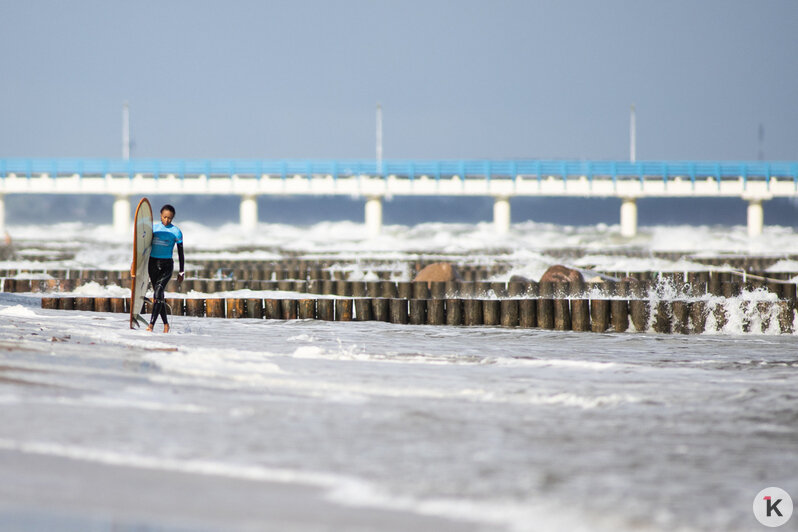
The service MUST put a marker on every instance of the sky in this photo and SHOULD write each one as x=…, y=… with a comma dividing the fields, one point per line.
x=710, y=79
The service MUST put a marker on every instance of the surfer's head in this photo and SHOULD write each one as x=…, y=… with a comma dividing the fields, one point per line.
x=167, y=214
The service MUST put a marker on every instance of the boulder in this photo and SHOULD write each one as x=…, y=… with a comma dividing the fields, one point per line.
x=438, y=272
x=559, y=274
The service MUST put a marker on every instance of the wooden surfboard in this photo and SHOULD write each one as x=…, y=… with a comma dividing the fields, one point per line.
x=142, y=245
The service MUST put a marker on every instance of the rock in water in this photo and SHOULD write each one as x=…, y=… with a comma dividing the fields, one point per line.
x=438, y=272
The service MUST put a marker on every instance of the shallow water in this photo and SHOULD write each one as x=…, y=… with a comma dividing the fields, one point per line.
x=429, y=427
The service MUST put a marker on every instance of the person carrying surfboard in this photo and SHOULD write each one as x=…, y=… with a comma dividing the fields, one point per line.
x=164, y=237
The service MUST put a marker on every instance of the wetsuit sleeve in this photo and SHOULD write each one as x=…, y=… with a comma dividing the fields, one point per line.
x=181, y=258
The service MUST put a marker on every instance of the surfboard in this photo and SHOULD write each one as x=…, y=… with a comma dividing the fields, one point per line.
x=142, y=245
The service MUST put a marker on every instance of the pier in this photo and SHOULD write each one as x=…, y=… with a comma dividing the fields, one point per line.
x=125, y=180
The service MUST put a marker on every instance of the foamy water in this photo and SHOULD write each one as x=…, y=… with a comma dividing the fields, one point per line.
x=484, y=428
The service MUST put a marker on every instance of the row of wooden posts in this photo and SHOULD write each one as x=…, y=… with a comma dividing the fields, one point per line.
x=468, y=274
x=436, y=290
x=597, y=315
x=746, y=263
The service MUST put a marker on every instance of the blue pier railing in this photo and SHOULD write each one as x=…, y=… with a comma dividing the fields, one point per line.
x=407, y=169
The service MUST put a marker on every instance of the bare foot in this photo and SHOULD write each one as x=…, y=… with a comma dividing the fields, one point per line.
x=166, y=328
x=149, y=327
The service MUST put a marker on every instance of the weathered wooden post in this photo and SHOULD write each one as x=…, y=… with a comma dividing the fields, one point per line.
x=84, y=303
x=66, y=303
x=437, y=290
x=681, y=316
x=528, y=313
x=720, y=315
x=315, y=286
x=546, y=305
x=380, y=309
x=789, y=292
x=236, y=308
x=418, y=310
x=786, y=316
x=398, y=309
x=454, y=311
x=328, y=287
x=372, y=289
x=516, y=288
x=499, y=289
x=599, y=315
x=102, y=304
x=343, y=288
x=509, y=310
x=436, y=311
x=452, y=289
x=490, y=312
x=326, y=309
x=663, y=315
x=562, y=314
x=545, y=313
x=359, y=289
x=119, y=305
x=619, y=314
x=289, y=309
x=472, y=312
x=639, y=311
x=272, y=309
x=255, y=308
x=580, y=314
x=404, y=289
x=301, y=286
x=389, y=290
x=715, y=287
x=343, y=309
x=363, y=309
x=306, y=309
x=214, y=307
x=698, y=316
x=420, y=290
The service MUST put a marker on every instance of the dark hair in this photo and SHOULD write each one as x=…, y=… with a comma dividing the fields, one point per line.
x=168, y=207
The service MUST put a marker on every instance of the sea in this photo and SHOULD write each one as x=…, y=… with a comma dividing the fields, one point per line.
x=250, y=425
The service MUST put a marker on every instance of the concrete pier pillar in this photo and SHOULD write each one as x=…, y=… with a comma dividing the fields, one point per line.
x=756, y=217
x=628, y=217
x=374, y=215
x=122, y=215
x=248, y=212
x=2, y=216
x=501, y=214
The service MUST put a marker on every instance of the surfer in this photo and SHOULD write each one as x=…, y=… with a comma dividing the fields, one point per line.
x=164, y=237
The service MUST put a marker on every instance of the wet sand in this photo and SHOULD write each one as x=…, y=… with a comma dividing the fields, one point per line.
x=40, y=492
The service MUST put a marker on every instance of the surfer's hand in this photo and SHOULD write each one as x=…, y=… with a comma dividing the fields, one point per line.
x=180, y=277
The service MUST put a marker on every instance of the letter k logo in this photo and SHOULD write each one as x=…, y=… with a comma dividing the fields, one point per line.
x=772, y=506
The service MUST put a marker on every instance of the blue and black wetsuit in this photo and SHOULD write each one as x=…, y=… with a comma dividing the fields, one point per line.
x=161, y=265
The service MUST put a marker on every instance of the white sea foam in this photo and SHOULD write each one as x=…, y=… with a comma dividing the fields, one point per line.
x=558, y=363
x=237, y=365
x=123, y=402
x=18, y=311
x=94, y=289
